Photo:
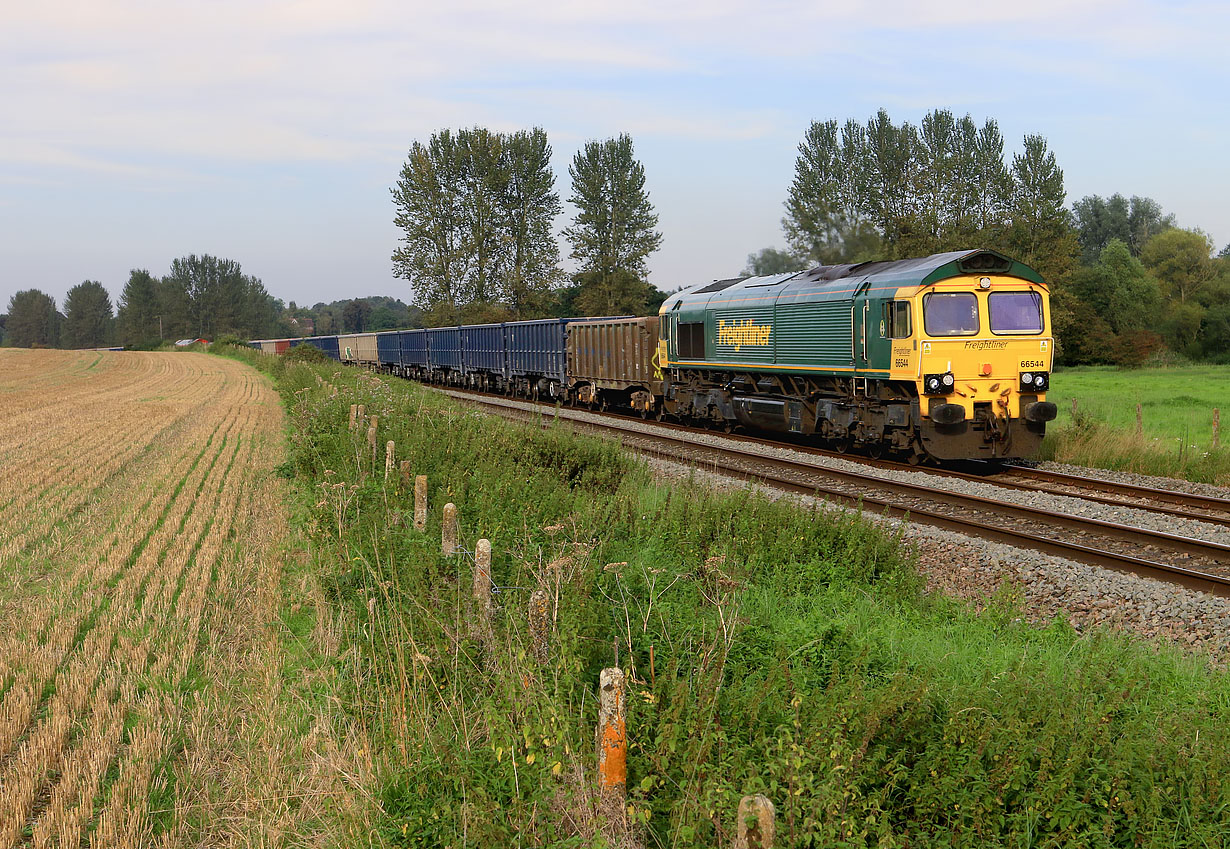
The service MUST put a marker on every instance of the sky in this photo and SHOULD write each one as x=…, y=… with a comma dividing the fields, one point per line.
x=137, y=131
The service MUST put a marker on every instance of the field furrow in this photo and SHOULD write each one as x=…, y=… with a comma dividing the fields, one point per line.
x=142, y=511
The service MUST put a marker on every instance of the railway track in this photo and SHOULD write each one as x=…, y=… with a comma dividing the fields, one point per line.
x=1195, y=564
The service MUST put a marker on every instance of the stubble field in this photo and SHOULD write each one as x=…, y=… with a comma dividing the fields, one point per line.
x=142, y=648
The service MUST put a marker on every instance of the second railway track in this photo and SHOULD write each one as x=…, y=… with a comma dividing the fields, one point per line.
x=1193, y=563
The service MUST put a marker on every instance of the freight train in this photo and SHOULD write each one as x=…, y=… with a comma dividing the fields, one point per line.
x=945, y=357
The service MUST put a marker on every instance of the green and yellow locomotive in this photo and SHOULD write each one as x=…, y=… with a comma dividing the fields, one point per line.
x=944, y=357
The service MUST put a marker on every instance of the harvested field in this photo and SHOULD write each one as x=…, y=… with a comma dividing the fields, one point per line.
x=142, y=589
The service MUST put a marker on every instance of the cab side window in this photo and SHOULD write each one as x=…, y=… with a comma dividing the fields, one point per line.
x=897, y=319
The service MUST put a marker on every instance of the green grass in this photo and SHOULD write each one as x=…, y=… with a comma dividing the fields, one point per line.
x=1177, y=403
x=1176, y=437
x=769, y=649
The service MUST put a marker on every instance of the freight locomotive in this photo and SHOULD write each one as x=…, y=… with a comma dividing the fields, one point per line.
x=943, y=357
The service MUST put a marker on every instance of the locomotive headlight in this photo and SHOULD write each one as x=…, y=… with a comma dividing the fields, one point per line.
x=937, y=384
x=1034, y=381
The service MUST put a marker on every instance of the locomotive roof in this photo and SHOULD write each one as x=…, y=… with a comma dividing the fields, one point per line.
x=919, y=271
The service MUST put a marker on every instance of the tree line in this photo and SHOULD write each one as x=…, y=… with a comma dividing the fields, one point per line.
x=201, y=296
x=1126, y=282
x=476, y=210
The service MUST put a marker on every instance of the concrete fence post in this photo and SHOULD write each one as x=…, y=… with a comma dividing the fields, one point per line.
x=1140, y=420
x=448, y=536
x=420, y=503
x=1073, y=406
x=354, y=410
x=360, y=414
x=540, y=624
x=482, y=578
x=757, y=827
x=1216, y=427
x=371, y=443
x=388, y=460
x=612, y=735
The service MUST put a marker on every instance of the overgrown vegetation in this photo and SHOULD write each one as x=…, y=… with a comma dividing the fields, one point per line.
x=768, y=648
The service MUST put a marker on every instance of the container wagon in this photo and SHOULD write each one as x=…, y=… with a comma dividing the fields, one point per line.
x=413, y=357
x=485, y=362
x=614, y=362
x=444, y=360
x=388, y=351
x=358, y=348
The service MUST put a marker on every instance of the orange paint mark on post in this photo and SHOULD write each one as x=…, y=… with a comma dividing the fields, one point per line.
x=612, y=733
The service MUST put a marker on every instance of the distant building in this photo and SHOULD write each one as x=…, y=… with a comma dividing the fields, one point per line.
x=304, y=326
x=184, y=343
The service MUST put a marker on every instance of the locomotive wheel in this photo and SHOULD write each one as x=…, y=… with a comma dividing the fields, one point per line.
x=875, y=450
x=660, y=414
x=841, y=446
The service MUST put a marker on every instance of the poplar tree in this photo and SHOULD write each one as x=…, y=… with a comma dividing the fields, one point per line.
x=87, y=316
x=614, y=230
x=1040, y=233
x=531, y=206
x=476, y=211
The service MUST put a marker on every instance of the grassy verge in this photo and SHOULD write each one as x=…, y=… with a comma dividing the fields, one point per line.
x=1176, y=437
x=768, y=649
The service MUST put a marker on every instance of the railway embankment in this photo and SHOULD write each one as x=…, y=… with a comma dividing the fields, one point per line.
x=767, y=647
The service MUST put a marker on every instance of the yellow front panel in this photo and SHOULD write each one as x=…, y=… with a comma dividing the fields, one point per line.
x=986, y=367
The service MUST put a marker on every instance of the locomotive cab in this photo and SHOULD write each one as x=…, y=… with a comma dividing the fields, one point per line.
x=980, y=354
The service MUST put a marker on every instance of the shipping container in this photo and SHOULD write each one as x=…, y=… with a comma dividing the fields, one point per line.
x=358, y=348
x=269, y=346
x=536, y=349
x=615, y=360
x=413, y=345
x=484, y=349
x=388, y=350
x=444, y=349
x=328, y=344
x=614, y=353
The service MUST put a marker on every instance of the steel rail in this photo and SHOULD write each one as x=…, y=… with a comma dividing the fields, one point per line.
x=1166, y=496
x=721, y=459
x=1170, y=496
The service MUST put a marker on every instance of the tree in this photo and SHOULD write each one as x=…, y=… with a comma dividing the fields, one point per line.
x=1180, y=260
x=207, y=296
x=1119, y=288
x=1040, y=234
x=879, y=190
x=33, y=320
x=87, y=316
x=818, y=217
x=993, y=188
x=531, y=206
x=139, y=311
x=476, y=211
x=1132, y=222
x=772, y=261
x=356, y=316
x=614, y=229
